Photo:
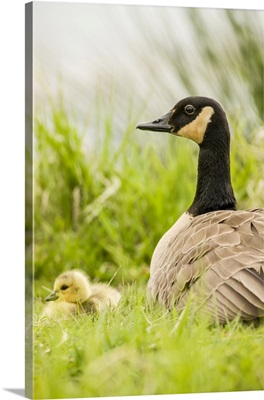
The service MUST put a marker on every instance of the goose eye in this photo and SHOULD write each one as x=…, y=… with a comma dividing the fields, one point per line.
x=189, y=109
x=64, y=287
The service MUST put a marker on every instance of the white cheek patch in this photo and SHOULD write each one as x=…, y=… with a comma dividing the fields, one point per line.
x=195, y=130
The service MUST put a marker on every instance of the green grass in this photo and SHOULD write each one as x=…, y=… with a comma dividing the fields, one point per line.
x=137, y=351
x=103, y=210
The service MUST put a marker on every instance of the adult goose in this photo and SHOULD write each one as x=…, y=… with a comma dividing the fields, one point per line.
x=73, y=294
x=214, y=251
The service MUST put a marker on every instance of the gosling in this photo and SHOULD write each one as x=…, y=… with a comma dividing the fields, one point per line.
x=73, y=294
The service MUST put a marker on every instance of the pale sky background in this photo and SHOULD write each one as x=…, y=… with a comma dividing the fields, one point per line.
x=12, y=203
x=80, y=47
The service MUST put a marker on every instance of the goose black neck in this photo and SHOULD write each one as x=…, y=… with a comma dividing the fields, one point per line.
x=214, y=190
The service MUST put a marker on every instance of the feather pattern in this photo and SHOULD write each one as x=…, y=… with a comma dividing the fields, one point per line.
x=218, y=257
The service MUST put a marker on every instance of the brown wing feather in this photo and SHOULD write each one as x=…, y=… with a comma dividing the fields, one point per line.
x=219, y=257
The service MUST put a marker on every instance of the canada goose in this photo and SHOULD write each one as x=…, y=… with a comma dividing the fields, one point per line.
x=213, y=251
x=74, y=294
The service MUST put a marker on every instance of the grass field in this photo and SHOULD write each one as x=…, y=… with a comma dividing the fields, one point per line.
x=103, y=210
x=136, y=351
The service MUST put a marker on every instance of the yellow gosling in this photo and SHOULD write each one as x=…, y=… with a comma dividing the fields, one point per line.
x=74, y=294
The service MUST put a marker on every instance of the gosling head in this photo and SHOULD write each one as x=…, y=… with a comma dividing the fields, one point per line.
x=71, y=287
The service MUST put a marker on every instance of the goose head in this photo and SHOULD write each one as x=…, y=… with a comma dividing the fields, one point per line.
x=198, y=118
x=71, y=287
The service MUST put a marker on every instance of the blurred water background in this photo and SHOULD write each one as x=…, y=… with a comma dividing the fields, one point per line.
x=134, y=62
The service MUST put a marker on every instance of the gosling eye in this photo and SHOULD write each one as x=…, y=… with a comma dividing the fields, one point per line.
x=64, y=287
x=189, y=109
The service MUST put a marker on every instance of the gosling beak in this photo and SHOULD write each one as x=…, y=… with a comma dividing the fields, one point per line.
x=51, y=297
x=159, y=125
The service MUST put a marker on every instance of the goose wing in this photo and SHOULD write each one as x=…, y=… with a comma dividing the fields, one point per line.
x=219, y=257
